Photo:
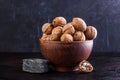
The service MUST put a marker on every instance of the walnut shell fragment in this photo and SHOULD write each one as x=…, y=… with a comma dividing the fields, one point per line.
x=85, y=66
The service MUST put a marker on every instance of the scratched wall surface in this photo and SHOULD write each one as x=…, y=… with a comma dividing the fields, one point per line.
x=21, y=21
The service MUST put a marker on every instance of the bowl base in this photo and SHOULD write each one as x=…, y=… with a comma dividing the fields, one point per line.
x=65, y=69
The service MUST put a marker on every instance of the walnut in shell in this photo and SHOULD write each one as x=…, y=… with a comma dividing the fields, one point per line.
x=69, y=29
x=54, y=37
x=47, y=28
x=91, y=32
x=79, y=36
x=59, y=21
x=44, y=36
x=57, y=31
x=67, y=38
x=79, y=24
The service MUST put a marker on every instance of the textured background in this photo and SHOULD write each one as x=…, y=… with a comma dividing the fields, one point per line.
x=21, y=21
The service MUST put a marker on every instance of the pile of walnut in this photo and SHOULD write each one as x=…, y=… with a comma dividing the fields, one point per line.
x=60, y=30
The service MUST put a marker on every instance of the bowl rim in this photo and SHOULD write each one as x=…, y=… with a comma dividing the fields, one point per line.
x=45, y=41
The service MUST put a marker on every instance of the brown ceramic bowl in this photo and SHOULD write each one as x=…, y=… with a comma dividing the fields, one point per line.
x=66, y=56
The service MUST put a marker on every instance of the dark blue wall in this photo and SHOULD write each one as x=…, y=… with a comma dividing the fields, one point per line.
x=21, y=20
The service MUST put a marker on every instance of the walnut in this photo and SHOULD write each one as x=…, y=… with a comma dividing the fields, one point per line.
x=60, y=30
x=57, y=30
x=79, y=36
x=54, y=37
x=85, y=66
x=79, y=24
x=48, y=38
x=44, y=36
x=47, y=28
x=67, y=38
x=69, y=29
x=59, y=21
x=91, y=32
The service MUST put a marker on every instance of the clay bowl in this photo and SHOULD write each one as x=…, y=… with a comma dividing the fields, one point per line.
x=64, y=57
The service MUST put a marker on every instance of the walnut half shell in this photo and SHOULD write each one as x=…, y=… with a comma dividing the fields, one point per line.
x=85, y=66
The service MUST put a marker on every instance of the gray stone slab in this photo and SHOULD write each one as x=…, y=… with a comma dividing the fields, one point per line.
x=35, y=65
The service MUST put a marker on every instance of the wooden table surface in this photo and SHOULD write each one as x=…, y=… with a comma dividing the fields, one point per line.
x=105, y=68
